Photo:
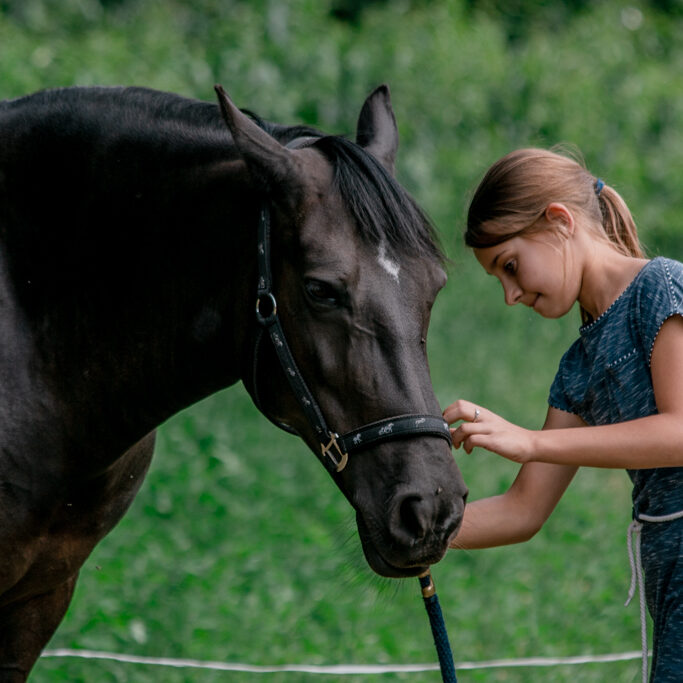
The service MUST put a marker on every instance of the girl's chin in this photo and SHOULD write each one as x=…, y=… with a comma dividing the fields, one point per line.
x=545, y=308
x=551, y=313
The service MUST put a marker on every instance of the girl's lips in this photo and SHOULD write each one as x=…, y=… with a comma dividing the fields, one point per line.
x=535, y=301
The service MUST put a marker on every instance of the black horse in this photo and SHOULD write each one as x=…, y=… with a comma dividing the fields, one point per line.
x=129, y=222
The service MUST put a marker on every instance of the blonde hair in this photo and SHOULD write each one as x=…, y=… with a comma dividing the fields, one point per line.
x=512, y=198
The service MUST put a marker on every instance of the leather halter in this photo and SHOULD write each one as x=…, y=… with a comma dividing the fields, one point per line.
x=334, y=449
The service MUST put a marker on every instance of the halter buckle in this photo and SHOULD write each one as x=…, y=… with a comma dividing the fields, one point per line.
x=340, y=463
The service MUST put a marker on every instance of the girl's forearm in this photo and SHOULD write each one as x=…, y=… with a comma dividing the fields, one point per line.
x=654, y=441
x=491, y=522
x=519, y=513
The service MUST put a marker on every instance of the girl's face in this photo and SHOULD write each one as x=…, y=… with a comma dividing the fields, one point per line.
x=539, y=271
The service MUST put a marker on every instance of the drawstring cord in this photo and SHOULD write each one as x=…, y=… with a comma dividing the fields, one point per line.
x=634, y=558
x=633, y=538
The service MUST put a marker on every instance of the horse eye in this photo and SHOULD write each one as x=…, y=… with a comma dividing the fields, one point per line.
x=322, y=292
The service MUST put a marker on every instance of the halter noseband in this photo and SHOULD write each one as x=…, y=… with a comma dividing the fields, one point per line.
x=334, y=449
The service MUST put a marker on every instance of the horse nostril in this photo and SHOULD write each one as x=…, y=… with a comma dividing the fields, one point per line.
x=415, y=517
x=424, y=522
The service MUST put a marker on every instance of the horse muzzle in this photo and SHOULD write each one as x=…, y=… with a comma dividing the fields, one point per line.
x=413, y=529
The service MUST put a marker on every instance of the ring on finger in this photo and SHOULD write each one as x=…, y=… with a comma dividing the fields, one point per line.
x=477, y=413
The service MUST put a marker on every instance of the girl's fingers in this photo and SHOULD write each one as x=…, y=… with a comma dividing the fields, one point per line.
x=480, y=428
x=462, y=410
x=463, y=440
x=464, y=433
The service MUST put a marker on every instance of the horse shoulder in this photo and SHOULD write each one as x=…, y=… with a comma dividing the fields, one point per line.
x=42, y=544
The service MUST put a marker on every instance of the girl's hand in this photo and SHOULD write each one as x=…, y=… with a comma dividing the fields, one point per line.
x=487, y=430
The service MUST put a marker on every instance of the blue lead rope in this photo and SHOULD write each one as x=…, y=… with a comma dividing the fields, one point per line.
x=443, y=647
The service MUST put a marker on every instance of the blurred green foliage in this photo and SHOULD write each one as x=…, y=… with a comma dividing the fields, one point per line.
x=238, y=547
x=605, y=76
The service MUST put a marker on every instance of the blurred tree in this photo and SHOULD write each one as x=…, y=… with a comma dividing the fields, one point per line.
x=521, y=17
x=351, y=10
x=673, y=7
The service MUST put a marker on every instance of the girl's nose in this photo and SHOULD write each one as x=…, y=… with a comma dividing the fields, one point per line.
x=513, y=294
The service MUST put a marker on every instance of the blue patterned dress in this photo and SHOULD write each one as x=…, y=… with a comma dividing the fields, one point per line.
x=605, y=378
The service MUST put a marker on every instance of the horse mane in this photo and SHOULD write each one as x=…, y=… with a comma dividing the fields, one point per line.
x=380, y=207
x=383, y=211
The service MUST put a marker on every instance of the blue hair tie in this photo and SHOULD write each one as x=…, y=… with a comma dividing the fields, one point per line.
x=598, y=187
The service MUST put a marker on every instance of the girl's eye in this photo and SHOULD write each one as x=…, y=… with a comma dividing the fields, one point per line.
x=322, y=292
x=510, y=267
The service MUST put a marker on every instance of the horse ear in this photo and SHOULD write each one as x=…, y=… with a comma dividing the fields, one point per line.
x=377, y=131
x=269, y=162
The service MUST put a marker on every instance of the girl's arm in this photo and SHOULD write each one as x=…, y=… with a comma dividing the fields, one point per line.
x=519, y=513
x=654, y=441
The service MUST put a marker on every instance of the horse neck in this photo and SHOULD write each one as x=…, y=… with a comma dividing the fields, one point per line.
x=136, y=288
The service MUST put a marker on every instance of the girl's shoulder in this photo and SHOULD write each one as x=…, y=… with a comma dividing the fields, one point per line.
x=661, y=270
x=615, y=349
x=636, y=316
x=657, y=296
x=650, y=281
x=659, y=285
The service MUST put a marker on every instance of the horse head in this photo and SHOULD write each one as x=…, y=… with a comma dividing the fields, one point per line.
x=355, y=271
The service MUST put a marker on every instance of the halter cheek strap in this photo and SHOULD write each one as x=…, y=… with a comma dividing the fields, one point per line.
x=334, y=449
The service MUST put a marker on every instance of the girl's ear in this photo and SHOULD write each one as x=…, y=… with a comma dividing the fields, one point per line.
x=560, y=217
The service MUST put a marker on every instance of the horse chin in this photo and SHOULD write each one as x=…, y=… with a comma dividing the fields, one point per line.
x=380, y=565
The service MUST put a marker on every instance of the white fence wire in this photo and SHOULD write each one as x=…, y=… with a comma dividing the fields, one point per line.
x=341, y=669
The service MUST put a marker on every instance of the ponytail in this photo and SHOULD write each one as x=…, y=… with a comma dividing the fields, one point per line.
x=618, y=223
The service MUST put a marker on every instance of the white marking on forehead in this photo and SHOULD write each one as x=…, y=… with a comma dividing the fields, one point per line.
x=390, y=266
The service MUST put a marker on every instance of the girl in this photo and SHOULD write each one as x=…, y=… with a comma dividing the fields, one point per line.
x=553, y=234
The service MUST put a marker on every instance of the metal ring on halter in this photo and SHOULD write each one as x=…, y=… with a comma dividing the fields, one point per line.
x=477, y=413
x=269, y=315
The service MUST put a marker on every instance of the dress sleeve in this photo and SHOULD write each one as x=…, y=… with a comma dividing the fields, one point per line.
x=660, y=297
x=559, y=396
